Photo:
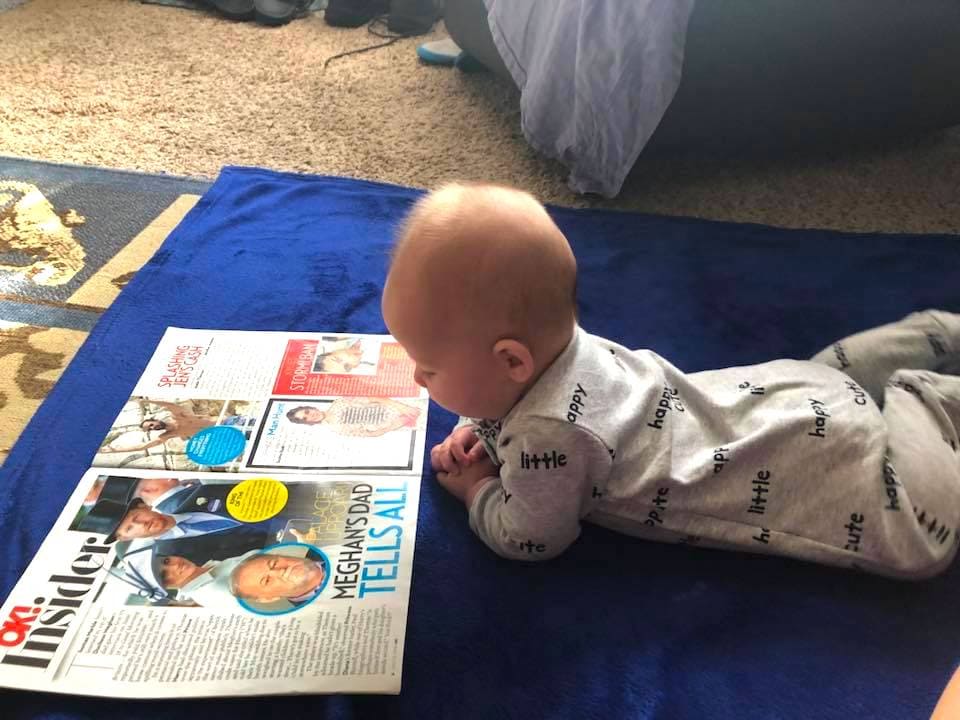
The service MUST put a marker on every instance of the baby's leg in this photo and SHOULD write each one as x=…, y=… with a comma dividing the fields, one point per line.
x=927, y=340
x=919, y=530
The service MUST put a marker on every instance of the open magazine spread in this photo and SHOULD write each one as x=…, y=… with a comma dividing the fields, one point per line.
x=247, y=528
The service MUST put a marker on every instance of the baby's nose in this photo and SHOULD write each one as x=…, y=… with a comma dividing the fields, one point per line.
x=418, y=378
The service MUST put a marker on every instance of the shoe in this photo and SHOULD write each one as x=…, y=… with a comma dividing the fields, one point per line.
x=354, y=13
x=439, y=52
x=235, y=9
x=279, y=12
x=469, y=64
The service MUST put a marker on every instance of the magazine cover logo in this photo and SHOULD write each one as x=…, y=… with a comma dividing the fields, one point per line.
x=14, y=630
x=34, y=632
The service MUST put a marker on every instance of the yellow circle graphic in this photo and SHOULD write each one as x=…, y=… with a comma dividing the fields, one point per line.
x=257, y=499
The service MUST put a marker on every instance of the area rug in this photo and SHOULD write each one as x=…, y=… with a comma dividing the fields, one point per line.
x=70, y=239
x=314, y=6
x=616, y=627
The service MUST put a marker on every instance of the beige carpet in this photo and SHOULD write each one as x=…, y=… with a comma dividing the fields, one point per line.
x=120, y=84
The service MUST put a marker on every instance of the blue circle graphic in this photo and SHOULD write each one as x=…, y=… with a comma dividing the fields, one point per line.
x=215, y=445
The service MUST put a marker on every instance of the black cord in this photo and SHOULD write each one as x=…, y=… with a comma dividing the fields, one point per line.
x=372, y=29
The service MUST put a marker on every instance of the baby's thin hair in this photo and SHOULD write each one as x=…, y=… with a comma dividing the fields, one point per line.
x=519, y=226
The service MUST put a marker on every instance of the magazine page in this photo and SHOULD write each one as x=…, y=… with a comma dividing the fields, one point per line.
x=235, y=401
x=171, y=584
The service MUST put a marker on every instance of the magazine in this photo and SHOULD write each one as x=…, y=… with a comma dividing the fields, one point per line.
x=247, y=527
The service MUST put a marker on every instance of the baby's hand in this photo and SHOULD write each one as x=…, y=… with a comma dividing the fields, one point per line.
x=461, y=449
x=464, y=483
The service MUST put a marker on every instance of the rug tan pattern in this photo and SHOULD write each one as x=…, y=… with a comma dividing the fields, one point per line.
x=120, y=84
x=117, y=83
x=33, y=356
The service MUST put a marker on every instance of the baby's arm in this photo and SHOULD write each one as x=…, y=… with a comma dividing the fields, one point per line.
x=553, y=473
x=464, y=483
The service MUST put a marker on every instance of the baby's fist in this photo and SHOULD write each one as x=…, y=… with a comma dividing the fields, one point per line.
x=461, y=449
x=464, y=483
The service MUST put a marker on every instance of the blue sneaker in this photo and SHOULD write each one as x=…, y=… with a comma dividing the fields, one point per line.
x=440, y=52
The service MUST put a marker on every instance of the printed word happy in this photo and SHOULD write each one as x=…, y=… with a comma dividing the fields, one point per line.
x=820, y=421
x=669, y=400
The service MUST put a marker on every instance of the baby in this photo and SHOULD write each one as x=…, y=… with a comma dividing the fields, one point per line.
x=850, y=459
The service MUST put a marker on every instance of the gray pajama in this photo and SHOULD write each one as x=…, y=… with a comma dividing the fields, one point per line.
x=788, y=457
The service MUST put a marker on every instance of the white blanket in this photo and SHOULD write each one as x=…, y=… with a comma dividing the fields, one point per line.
x=596, y=77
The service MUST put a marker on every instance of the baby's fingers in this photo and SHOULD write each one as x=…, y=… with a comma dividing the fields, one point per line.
x=444, y=479
x=476, y=453
x=449, y=463
x=458, y=453
x=441, y=459
x=435, y=456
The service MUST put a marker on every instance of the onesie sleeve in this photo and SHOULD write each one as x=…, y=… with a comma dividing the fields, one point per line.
x=552, y=473
x=465, y=422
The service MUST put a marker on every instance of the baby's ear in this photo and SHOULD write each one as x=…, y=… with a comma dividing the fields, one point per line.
x=515, y=359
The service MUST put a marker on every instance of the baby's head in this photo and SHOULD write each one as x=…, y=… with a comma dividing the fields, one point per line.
x=481, y=294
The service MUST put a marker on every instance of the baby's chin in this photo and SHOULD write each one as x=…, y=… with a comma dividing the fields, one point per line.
x=477, y=413
x=456, y=409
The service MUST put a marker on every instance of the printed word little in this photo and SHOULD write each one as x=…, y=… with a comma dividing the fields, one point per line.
x=820, y=410
x=939, y=530
x=549, y=460
x=761, y=486
x=908, y=387
x=841, y=356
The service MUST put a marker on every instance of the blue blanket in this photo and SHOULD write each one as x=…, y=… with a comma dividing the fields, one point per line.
x=616, y=627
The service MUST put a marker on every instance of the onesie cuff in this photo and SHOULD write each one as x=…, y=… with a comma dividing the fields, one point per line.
x=475, y=511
